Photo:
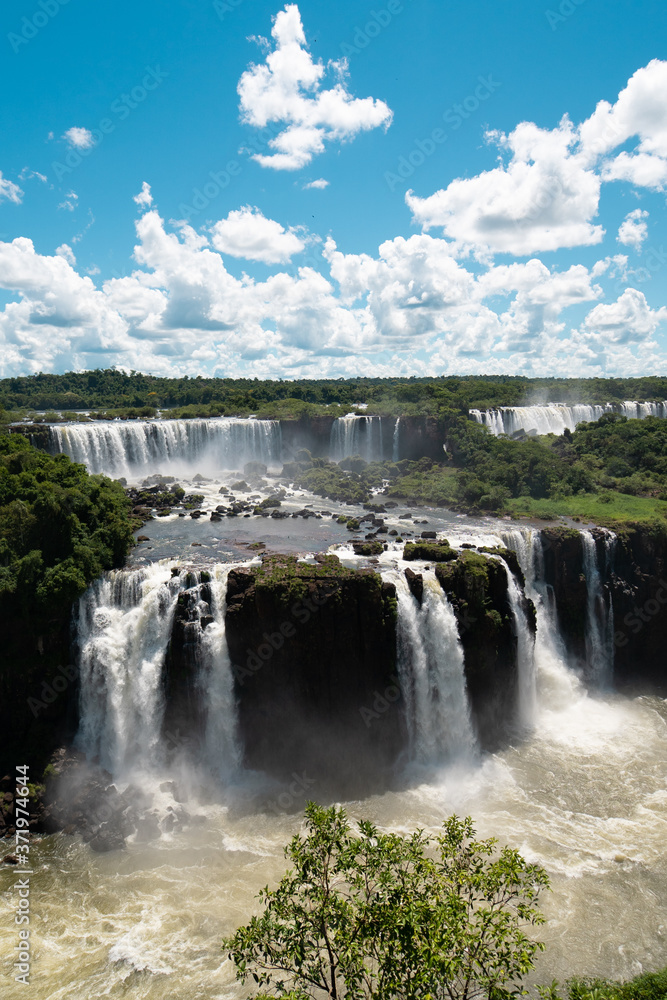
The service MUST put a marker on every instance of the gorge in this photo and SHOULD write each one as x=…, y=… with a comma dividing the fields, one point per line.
x=236, y=668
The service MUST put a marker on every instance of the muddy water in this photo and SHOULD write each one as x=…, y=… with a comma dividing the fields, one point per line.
x=585, y=796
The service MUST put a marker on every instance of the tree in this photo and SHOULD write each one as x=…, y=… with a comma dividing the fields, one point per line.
x=377, y=915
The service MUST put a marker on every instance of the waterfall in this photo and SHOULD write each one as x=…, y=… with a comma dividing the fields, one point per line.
x=356, y=435
x=556, y=685
x=395, y=451
x=431, y=671
x=553, y=418
x=125, y=622
x=525, y=652
x=133, y=448
x=599, y=614
x=222, y=750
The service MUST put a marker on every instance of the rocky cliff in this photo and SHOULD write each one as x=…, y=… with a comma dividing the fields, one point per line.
x=476, y=585
x=313, y=648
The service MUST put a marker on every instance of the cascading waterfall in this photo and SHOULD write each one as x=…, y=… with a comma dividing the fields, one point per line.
x=356, y=435
x=396, y=443
x=431, y=671
x=134, y=448
x=525, y=652
x=555, y=684
x=125, y=623
x=599, y=614
x=222, y=751
x=553, y=418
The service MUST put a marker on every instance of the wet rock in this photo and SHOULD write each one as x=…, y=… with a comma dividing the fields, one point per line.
x=415, y=583
x=254, y=469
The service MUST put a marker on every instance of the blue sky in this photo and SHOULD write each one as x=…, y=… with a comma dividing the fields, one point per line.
x=400, y=187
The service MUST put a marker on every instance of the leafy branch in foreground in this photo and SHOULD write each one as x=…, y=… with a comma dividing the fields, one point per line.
x=378, y=915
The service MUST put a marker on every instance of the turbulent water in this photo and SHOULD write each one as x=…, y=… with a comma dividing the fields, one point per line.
x=133, y=448
x=553, y=418
x=583, y=792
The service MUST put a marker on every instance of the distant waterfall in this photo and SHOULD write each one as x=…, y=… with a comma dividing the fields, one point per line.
x=553, y=418
x=356, y=435
x=599, y=614
x=125, y=623
x=133, y=448
x=431, y=671
x=396, y=443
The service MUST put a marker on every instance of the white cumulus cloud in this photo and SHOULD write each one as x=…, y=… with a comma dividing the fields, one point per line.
x=319, y=185
x=79, y=138
x=545, y=193
x=633, y=230
x=543, y=199
x=628, y=319
x=144, y=199
x=249, y=234
x=288, y=89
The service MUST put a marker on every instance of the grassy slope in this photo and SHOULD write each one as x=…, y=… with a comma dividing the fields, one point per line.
x=607, y=509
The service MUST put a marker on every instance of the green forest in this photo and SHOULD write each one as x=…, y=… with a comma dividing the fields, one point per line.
x=114, y=393
x=610, y=471
x=59, y=528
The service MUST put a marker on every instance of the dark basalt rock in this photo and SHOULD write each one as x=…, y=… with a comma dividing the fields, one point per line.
x=563, y=555
x=637, y=578
x=415, y=583
x=312, y=646
x=477, y=589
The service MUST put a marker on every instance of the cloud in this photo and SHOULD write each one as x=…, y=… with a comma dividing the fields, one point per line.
x=27, y=175
x=247, y=233
x=10, y=191
x=640, y=111
x=69, y=204
x=543, y=199
x=67, y=253
x=413, y=307
x=633, y=230
x=144, y=199
x=79, y=138
x=287, y=89
x=319, y=185
x=628, y=319
x=546, y=194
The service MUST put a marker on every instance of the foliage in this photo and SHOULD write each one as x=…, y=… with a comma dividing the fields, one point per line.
x=646, y=986
x=433, y=551
x=59, y=527
x=382, y=916
x=114, y=390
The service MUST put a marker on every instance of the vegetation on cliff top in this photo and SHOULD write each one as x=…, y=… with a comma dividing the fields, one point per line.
x=111, y=389
x=59, y=528
x=610, y=471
